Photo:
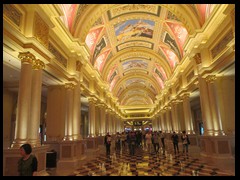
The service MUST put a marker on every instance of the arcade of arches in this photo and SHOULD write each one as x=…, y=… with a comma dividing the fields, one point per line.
x=73, y=72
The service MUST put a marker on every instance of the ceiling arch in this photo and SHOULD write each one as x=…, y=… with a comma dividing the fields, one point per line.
x=82, y=25
x=135, y=46
x=137, y=90
x=140, y=53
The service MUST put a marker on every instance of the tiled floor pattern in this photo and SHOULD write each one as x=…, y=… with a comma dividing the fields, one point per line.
x=147, y=164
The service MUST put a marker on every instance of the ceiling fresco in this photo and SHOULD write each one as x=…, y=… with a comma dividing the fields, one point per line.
x=135, y=46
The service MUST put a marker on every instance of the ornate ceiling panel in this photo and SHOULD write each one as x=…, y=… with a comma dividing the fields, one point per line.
x=135, y=47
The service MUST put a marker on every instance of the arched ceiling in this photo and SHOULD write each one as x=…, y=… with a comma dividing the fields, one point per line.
x=135, y=47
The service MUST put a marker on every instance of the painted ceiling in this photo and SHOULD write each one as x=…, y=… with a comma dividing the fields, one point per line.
x=136, y=47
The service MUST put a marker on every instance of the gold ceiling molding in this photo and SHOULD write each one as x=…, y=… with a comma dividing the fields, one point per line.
x=133, y=8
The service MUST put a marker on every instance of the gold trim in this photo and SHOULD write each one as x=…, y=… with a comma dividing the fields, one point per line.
x=26, y=57
x=38, y=64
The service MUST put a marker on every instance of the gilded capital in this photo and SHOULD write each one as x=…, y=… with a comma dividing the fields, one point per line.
x=211, y=78
x=38, y=64
x=26, y=57
x=69, y=86
x=185, y=95
x=92, y=100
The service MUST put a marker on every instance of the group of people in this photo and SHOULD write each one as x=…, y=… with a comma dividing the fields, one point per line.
x=135, y=139
x=147, y=139
x=185, y=142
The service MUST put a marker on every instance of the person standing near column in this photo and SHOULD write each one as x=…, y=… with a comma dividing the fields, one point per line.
x=175, y=142
x=162, y=136
x=185, y=142
x=107, y=142
x=27, y=164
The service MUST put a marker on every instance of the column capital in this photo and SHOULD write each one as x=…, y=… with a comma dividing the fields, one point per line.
x=38, y=64
x=69, y=86
x=92, y=100
x=211, y=78
x=26, y=57
x=185, y=96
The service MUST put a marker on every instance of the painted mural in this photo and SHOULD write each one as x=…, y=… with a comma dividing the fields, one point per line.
x=112, y=70
x=112, y=84
x=172, y=58
x=112, y=76
x=101, y=60
x=172, y=44
x=69, y=11
x=134, y=64
x=135, y=80
x=179, y=32
x=134, y=27
x=102, y=44
x=92, y=37
x=161, y=70
x=159, y=80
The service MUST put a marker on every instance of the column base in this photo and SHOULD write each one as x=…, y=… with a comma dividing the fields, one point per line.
x=219, y=150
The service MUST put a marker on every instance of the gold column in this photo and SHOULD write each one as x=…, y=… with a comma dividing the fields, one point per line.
x=91, y=117
x=216, y=118
x=97, y=119
x=187, y=114
x=205, y=107
x=175, y=119
x=69, y=112
x=24, y=99
x=162, y=121
x=168, y=119
x=103, y=120
x=76, y=113
x=34, y=123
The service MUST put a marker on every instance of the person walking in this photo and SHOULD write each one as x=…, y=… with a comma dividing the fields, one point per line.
x=155, y=141
x=107, y=142
x=175, y=142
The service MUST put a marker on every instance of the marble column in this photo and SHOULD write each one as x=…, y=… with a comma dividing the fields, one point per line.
x=91, y=117
x=34, y=123
x=187, y=114
x=175, y=121
x=103, y=130
x=205, y=107
x=77, y=113
x=216, y=118
x=24, y=100
x=169, y=125
x=69, y=112
x=97, y=119
x=164, y=129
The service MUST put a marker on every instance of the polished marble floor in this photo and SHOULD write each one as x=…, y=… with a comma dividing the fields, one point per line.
x=143, y=163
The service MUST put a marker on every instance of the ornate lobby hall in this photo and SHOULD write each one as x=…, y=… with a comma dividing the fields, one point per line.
x=76, y=74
